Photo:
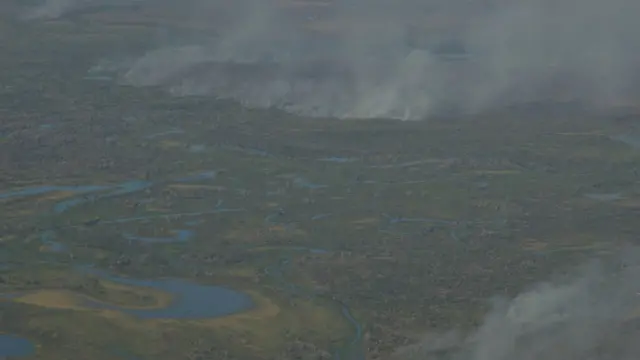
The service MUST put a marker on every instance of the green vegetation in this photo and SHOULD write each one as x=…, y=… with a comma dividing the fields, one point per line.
x=410, y=226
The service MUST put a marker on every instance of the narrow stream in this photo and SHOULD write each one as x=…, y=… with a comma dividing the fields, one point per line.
x=352, y=350
x=191, y=299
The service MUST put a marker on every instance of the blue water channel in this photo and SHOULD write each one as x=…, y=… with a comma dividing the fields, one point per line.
x=180, y=236
x=122, y=189
x=190, y=300
x=40, y=190
x=306, y=184
x=87, y=193
x=15, y=346
x=47, y=238
x=338, y=159
x=353, y=349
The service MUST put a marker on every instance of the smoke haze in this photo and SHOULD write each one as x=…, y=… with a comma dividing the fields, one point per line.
x=54, y=9
x=591, y=315
x=404, y=59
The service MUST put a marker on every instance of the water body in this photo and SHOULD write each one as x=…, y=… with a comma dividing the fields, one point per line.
x=304, y=183
x=180, y=236
x=40, y=190
x=165, y=133
x=206, y=175
x=320, y=216
x=271, y=220
x=306, y=249
x=118, y=190
x=190, y=300
x=400, y=219
x=86, y=192
x=401, y=165
x=126, y=188
x=197, y=148
x=353, y=349
x=337, y=159
x=14, y=346
x=47, y=238
x=194, y=222
x=249, y=150
x=171, y=216
x=604, y=197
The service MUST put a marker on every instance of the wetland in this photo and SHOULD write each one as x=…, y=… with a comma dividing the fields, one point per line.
x=136, y=224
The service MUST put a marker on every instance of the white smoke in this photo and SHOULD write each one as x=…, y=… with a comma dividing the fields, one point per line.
x=360, y=58
x=592, y=316
x=52, y=9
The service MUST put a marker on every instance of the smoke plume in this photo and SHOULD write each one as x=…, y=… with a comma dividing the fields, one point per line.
x=54, y=9
x=405, y=59
x=591, y=315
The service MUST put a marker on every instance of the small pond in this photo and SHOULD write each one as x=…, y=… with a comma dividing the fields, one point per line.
x=190, y=300
x=15, y=346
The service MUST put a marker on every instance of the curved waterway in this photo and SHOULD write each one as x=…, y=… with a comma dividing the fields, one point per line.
x=353, y=348
x=15, y=346
x=180, y=235
x=189, y=300
x=92, y=193
x=195, y=301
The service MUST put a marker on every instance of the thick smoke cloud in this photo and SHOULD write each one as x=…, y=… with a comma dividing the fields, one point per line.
x=403, y=59
x=540, y=49
x=591, y=315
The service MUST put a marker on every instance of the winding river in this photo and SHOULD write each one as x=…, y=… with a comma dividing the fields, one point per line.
x=191, y=300
x=352, y=349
